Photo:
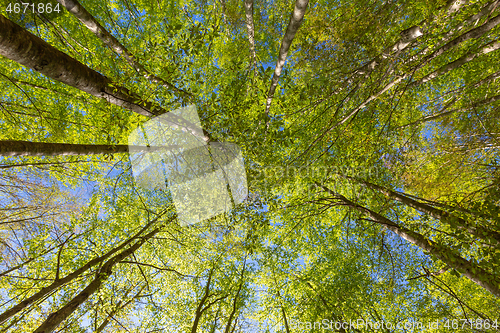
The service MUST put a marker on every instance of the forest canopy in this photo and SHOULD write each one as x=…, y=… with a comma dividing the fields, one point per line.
x=369, y=134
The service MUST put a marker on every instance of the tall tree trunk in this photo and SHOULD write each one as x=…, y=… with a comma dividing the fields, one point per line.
x=105, y=271
x=471, y=34
x=285, y=320
x=26, y=148
x=407, y=36
x=235, y=308
x=251, y=33
x=200, y=308
x=118, y=307
x=203, y=305
x=75, y=8
x=436, y=213
x=33, y=52
x=291, y=30
x=490, y=47
x=470, y=270
x=70, y=277
x=486, y=10
x=474, y=33
x=21, y=46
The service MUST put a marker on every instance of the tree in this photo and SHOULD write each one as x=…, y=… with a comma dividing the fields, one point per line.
x=33, y=52
x=25, y=148
x=104, y=272
x=58, y=282
x=471, y=271
x=372, y=180
x=291, y=30
x=91, y=23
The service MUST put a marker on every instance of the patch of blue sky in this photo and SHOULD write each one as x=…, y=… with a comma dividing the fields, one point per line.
x=123, y=20
x=198, y=18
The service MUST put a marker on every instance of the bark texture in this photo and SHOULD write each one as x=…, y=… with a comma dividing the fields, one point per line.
x=33, y=52
x=59, y=283
x=291, y=30
x=26, y=148
x=455, y=5
x=21, y=46
x=75, y=8
x=470, y=270
x=251, y=33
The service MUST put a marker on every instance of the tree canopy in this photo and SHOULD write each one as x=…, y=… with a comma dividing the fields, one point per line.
x=369, y=131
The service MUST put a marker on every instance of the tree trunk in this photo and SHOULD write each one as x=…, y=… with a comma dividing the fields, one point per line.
x=118, y=307
x=26, y=148
x=470, y=270
x=490, y=47
x=454, y=5
x=251, y=33
x=33, y=52
x=60, y=315
x=235, y=308
x=436, y=213
x=474, y=33
x=75, y=8
x=21, y=46
x=200, y=309
x=59, y=283
x=407, y=36
x=285, y=320
x=486, y=10
x=291, y=30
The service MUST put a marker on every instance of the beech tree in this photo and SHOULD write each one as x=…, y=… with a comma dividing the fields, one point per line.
x=476, y=274
x=370, y=137
x=26, y=148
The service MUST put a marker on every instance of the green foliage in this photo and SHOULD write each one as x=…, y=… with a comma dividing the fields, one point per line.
x=292, y=252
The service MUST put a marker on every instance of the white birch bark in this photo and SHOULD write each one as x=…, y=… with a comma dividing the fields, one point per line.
x=490, y=47
x=251, y=33
x=291, y=30
x=470, y=270
x=75, y=8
